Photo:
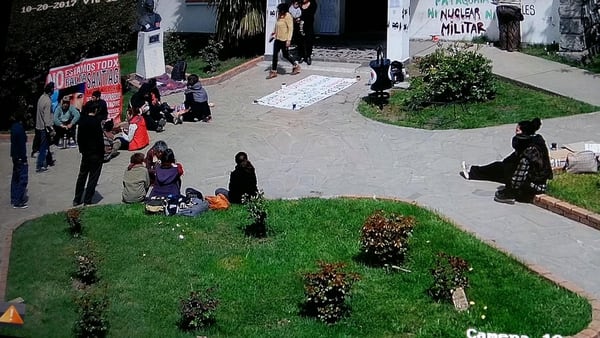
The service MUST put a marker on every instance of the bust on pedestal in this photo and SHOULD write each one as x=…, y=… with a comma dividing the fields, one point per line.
x=150, y=53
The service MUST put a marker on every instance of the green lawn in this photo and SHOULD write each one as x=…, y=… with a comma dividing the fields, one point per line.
x=582, y=190
x=513, y=103
x=146, y=269
x=547, y=52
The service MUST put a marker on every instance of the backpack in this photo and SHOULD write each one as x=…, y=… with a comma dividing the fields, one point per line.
x=178, y=71
x=155, y=205
x=193, y=207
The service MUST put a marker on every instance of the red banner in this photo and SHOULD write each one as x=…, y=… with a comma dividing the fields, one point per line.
x=81, y=79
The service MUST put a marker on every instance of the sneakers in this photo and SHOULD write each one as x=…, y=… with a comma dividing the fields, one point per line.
x=272, y=74
x=309, y=60
x=41, y=169
x=72, y=144
x=207, y=119
x=504, y=196
x=20, y=206
x=296, y=68
x=178, y=120
x=465, y=170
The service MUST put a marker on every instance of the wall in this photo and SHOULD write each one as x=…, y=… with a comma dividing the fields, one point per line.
x=182, y=17
x=449, y=19
x=465, y=19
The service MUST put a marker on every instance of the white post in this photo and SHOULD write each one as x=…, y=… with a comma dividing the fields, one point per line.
x=150, y=54
x=270, y=19
x=397, y=30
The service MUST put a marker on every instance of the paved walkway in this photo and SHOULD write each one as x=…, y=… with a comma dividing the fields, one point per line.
x=329, y=149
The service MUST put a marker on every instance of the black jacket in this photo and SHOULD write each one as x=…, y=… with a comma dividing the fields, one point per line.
x=242, y=181
x=90, y=136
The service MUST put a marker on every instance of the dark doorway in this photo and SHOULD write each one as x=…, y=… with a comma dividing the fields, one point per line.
x=365, y=17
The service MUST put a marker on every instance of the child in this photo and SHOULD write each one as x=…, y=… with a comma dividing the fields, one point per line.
x=296, y=12
x=135, y=180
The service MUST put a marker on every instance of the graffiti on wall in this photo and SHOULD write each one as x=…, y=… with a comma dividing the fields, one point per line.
x=462, y=17
x=591, y=25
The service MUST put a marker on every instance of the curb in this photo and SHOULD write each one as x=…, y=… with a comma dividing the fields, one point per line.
x=568, y=210
x=593, y=328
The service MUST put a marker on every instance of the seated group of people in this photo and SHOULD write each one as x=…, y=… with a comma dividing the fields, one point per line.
x=156, y=113
x=158, y=174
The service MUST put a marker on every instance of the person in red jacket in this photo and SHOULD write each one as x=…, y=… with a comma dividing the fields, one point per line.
x=134, y=134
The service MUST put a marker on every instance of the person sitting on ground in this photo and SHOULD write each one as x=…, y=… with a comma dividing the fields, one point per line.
x=97, y=97
x=65, y=120
x=134, y=135
x=501, y=171
x=525, y=172
x=196, y=103
x=111, y=144
x=153, y=158
x=168, y=176
x=242, y=180
x=135, y=180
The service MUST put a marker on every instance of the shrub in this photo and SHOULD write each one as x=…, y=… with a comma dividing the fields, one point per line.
x=74, y=221
x=92, y=321
x=86, y=270
x=326, y=292
x=448, y=275
x=174, y=47
x=384, y=237
x=198, y=310
x=210, y=54
x=257, y=213
x=452, y=74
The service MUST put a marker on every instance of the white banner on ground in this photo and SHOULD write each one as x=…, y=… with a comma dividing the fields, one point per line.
x=305, y=92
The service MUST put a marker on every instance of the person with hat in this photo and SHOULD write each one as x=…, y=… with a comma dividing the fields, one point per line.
x=524, y=172
x=65, y=120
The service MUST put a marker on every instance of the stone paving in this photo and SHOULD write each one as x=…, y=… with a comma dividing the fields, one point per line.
x=328, y=149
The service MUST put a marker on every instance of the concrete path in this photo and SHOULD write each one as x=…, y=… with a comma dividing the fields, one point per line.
x=329, y=149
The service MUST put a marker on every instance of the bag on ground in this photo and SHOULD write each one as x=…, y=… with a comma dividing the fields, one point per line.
x=155, y=205
x=219, y=202
x=582, y=162
x=193, y=207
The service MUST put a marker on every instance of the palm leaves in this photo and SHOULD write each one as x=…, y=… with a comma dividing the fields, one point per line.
x=239, y=19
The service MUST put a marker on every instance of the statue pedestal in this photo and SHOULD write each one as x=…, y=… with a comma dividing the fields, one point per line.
x=397, y=31
x=150, y=54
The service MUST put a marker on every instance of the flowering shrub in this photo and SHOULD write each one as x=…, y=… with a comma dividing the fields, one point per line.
x=326, y=292
x=198, y=310
x=448, y=274
x=385, y=236
x=257, y=214
x=92, y=321
x=74, y=221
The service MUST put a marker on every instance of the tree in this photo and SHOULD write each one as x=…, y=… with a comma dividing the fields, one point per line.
x=239, y=20
x=58, y=33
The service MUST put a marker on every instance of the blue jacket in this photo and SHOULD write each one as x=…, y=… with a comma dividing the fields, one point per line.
x=18, y=141
x=63, y=117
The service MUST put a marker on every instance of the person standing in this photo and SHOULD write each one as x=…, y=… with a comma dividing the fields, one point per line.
x=284, y=29
x=18, y=152
x=43, y=128
x=509, y=24
x=91, y=147
x=307, y=40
